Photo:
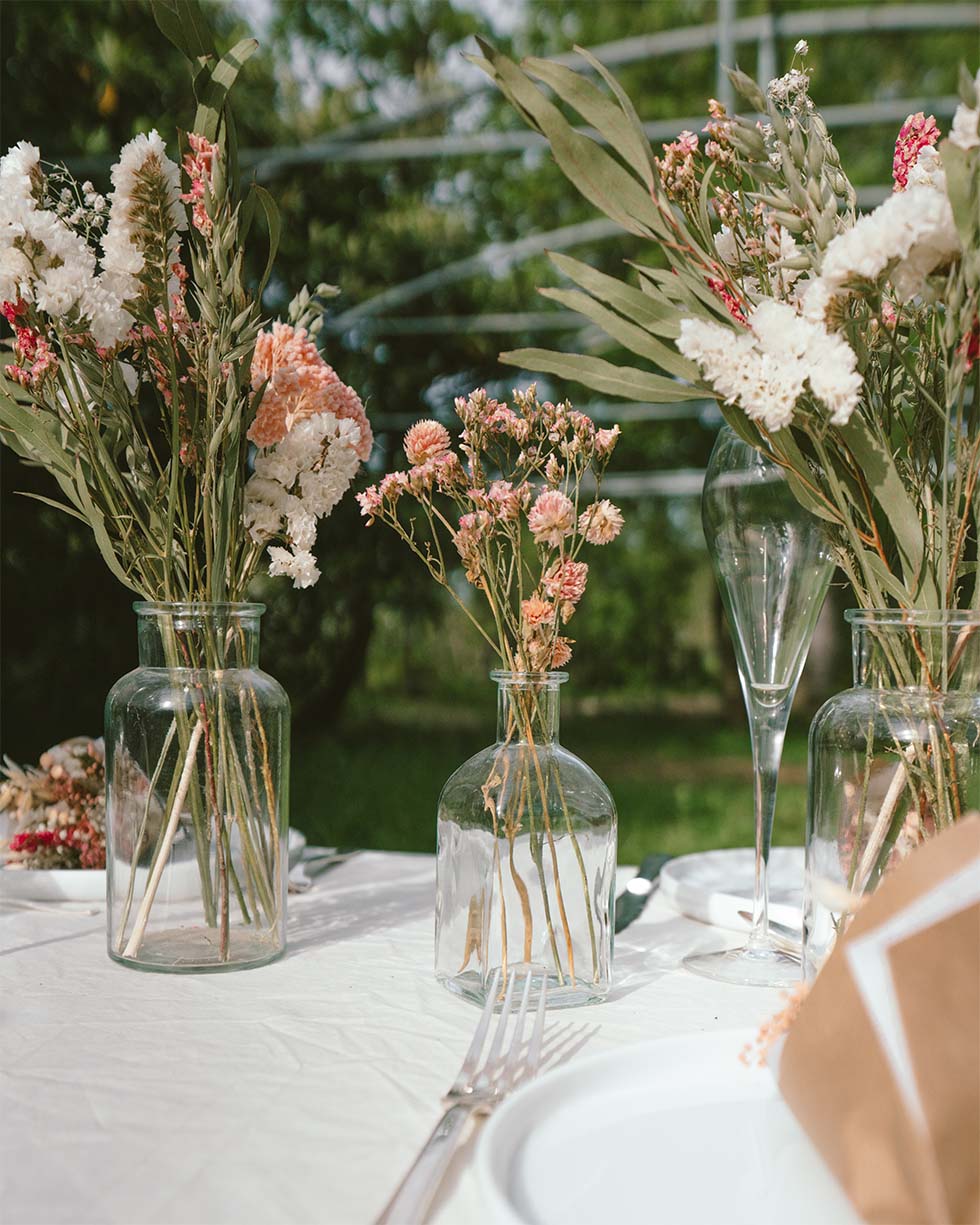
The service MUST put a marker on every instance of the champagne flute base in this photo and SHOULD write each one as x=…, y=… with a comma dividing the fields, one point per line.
x=748, y=966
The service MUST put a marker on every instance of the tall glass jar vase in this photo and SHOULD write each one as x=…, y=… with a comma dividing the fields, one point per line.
x=892, y=760
x=197, y=769
x=526, y=858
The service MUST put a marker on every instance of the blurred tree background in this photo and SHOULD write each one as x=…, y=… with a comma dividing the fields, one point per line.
x=389, y=693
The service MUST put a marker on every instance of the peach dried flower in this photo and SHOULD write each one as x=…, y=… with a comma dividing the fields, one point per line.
x=426, y=440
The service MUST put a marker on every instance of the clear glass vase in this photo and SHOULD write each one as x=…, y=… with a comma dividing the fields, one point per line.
x=197, y=769
x=526, y=858
x=892, y=760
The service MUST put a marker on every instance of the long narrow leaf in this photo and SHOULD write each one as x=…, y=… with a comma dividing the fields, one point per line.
x=623, y=381
x=222, y=78
x=632, y=303
x=627, y=334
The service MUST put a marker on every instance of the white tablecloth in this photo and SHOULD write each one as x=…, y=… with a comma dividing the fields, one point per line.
x=294, y=1093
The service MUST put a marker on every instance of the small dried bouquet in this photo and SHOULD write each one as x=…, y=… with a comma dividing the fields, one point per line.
x=525, y=828
x=518, y=509
x=57, y=808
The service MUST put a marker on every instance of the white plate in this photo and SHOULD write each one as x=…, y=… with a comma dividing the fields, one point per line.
x=714, y=886
x=673, y=1132
x=89, y=884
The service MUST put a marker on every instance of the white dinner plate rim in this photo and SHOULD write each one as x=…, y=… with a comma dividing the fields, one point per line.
x=718, y=906
x=552, y=1085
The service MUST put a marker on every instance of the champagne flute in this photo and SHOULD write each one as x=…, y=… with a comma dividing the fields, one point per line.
x=773, y=564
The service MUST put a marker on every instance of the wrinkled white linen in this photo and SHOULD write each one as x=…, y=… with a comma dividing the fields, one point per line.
x=294, y=1093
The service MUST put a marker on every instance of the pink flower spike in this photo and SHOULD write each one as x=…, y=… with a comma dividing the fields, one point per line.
x=916, y=134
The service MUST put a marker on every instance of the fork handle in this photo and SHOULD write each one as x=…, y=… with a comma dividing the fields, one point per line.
x=417, y=1189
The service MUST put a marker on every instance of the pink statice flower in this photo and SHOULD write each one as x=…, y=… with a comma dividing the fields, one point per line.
x=915, y=134
x=426, y=440
x=601, y=522
x=299, y=385
x=504, y=420
x=551, y=518
x=505, y=499
x=677, y=169
x=605, y=440
x=468, y=540
x=199, y=168
x=370, y=503
x=536, y=611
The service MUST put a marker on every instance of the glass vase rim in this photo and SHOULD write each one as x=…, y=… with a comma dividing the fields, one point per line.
x=911, y=618
x=504, y=676
x=198, y=608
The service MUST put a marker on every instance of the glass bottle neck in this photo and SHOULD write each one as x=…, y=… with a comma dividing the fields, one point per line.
x=528, y=707
x=198, y=636
x=936, y=652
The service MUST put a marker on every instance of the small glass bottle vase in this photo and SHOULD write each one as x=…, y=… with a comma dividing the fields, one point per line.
x=197, y=768
x=892, y=760
x=526, y=858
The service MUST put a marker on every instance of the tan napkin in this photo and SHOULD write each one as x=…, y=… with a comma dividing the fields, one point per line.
x=882, y=1064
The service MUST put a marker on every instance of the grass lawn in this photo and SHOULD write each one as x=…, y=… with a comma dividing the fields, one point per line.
x=681, y=783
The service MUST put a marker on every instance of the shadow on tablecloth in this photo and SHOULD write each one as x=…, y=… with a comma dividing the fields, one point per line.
x=331, y=916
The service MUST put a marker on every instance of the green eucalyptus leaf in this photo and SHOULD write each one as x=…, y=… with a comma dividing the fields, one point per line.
x=623, y=381
x=220, y=80
x=628, y=334
x=596, y=109
x=632, y=303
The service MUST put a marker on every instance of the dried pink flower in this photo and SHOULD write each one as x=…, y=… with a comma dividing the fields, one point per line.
x=561, y=652
x=199, y=168
x=504, y=499
x=300, y=385
x=426, y=440
x=601, y=522
x=677, y=171
x=370, y=503
x=552, y=517
x=536, y=611
x=605, y=440
x=915, y=134
x=565, y=582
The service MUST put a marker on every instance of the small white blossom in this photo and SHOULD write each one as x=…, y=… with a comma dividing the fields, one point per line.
x=802, y=47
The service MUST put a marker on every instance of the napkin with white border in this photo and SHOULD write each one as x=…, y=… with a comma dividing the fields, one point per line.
x=882, y=1064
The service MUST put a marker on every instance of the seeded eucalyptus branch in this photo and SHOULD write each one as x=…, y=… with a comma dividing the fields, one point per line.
x=845, y=348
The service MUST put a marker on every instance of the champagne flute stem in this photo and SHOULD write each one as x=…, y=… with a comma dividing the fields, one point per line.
x=767, y=725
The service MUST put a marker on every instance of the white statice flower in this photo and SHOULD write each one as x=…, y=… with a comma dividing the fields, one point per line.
x=966, y=122
x=927, y=170
x=765, y=370
x=58, y=290
x=911, y=234
x=301, y=528
x=299, y=565
x=277, y=465
x=725, y=247
x=15, y=274
x=297, y=482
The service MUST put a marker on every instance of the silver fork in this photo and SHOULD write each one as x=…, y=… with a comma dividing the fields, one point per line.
x=476, y=1090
